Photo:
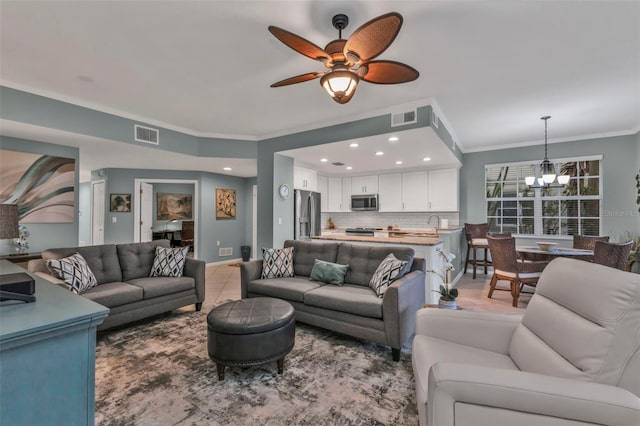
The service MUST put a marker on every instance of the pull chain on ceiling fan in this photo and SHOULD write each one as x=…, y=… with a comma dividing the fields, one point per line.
x=349, y=61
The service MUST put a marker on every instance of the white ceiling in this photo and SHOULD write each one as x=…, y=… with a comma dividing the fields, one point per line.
x=205, y=67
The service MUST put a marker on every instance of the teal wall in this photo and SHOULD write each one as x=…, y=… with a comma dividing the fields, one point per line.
x=230, y=232
x=282, y=174
x=619, y=167
x=172, y=188
x=45, y=235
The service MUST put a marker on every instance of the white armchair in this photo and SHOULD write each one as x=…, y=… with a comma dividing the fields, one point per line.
x=573, y=358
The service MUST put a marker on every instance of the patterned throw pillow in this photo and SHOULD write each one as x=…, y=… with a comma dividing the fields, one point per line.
x=389, y=270
x=169, y=262
x=327, y=272
x=74, y=271
x=277, y=263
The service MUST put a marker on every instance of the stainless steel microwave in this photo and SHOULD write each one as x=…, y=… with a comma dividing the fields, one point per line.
x=364, y=202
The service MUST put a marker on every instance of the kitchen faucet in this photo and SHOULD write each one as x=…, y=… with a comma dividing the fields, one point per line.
x=437, y=218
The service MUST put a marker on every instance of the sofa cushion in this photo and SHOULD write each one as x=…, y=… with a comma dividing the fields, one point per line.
x=352, y=299
x=293, y=288
x=277, y=263
x=159, y=286
x=364, y=260
x=136, y=259
x=305, y=254
x=327, y=272
x=102, y=260
x=169, y=262
x=114, y=294
x=74, y=271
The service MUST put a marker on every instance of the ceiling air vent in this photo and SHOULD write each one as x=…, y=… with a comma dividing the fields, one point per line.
x=146, y=134
x=402, y=118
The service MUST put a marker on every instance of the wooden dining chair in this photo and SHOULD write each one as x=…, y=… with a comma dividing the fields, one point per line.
x=186, y=236
x=476, y=240
x=507, y=267
x=614, y=255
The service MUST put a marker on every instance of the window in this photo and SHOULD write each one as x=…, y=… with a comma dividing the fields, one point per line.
x=568, y=210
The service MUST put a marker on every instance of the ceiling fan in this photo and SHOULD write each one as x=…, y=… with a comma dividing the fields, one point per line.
x=349, y=61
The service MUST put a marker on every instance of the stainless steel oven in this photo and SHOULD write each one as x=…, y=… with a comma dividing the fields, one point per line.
x=364, y=202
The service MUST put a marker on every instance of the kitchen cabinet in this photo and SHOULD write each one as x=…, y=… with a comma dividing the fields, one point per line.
x=304, y=178
x=443, y=190
x=346, y=195
x=335, y=194
x=389, y=192
x=361, y=185
x=415, y=191
x=323, y=189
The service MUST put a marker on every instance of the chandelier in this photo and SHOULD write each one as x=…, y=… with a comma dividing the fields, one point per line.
x=548, y=179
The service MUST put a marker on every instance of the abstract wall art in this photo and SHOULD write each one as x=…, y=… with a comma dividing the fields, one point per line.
x=43, y=186
x=120, y=203
x=225, y=203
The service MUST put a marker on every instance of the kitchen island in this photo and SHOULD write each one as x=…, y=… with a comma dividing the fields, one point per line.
x=426, y=247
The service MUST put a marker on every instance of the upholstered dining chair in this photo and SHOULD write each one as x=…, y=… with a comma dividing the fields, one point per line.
x=614, y=255
x=572, y=358
x=507, y=267
x=476, y=240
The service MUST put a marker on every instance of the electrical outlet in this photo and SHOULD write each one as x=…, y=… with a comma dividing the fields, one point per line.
x=114, y=219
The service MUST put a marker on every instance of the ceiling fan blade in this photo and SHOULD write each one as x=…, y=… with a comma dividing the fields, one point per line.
x=300, y=44
x=373, y=38
x=388, y=72
x=298, y=79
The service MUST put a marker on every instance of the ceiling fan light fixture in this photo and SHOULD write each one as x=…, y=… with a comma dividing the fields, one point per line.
x=340, y=84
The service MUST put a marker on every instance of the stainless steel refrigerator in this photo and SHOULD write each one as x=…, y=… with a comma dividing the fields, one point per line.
x=306, y=214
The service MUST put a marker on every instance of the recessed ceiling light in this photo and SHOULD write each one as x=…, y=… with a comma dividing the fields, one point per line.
x=398, y=162
x=353, y=145
x=227, y=168
x=379, y=153
x=426, y=159
x=324, y=160
x=393, y=139
x=349, y=167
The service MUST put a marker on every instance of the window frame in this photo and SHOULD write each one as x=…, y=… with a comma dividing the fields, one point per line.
x=538, y=198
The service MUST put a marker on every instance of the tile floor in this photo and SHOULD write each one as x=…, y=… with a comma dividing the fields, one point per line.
x=223, y=284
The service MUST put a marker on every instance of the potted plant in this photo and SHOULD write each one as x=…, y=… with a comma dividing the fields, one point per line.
x=448, y=294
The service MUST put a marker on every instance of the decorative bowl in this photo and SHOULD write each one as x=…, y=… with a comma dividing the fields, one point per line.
x=546, y=246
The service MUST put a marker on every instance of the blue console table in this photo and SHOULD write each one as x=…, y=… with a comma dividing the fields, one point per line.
x=47, y=356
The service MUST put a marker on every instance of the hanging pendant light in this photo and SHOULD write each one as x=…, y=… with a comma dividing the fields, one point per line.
x=546, y=169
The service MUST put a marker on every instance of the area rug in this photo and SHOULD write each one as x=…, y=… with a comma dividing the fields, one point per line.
x=158, y=373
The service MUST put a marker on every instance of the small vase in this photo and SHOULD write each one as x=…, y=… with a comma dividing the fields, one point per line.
x=447, y=304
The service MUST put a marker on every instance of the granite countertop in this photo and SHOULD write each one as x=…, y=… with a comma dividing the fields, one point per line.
x=422, y=241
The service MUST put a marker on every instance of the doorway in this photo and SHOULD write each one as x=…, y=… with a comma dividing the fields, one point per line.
x=143, y=208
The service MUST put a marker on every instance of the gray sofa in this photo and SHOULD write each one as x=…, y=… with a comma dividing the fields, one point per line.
x=124, y=285
x=352, y=309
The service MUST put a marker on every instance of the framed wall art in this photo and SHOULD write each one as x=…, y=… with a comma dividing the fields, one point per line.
x=120, y=203
x=225, y=203
x=43, y=186
x=174, y=206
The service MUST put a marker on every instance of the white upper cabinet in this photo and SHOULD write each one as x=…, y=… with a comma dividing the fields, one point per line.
x=335, y=194
x=414, y=191
x=346, y=195
x=304, y=178
x=390, y=192
x=443, y=190
x=361, y=185
x=323, y=189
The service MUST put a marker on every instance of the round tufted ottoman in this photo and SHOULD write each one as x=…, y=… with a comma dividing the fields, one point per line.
x=249, y=332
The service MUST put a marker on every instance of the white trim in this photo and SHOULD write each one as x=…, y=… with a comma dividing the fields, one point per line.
x=552, y=160
x=196, y=199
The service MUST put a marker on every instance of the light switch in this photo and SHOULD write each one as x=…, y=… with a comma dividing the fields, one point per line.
x=218, y=243
x=279, y=221
x=114, y=219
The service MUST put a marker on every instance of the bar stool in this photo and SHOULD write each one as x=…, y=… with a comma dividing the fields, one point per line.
x=476, y=240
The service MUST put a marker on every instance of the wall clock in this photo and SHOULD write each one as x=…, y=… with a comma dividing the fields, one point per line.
x=284, y=191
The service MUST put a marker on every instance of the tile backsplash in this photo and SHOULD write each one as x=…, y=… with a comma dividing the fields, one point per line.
x=383, y=219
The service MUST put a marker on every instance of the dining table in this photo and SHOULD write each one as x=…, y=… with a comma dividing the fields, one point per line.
x=536, y=253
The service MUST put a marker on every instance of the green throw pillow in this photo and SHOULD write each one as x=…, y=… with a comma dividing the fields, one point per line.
x=327, y=272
